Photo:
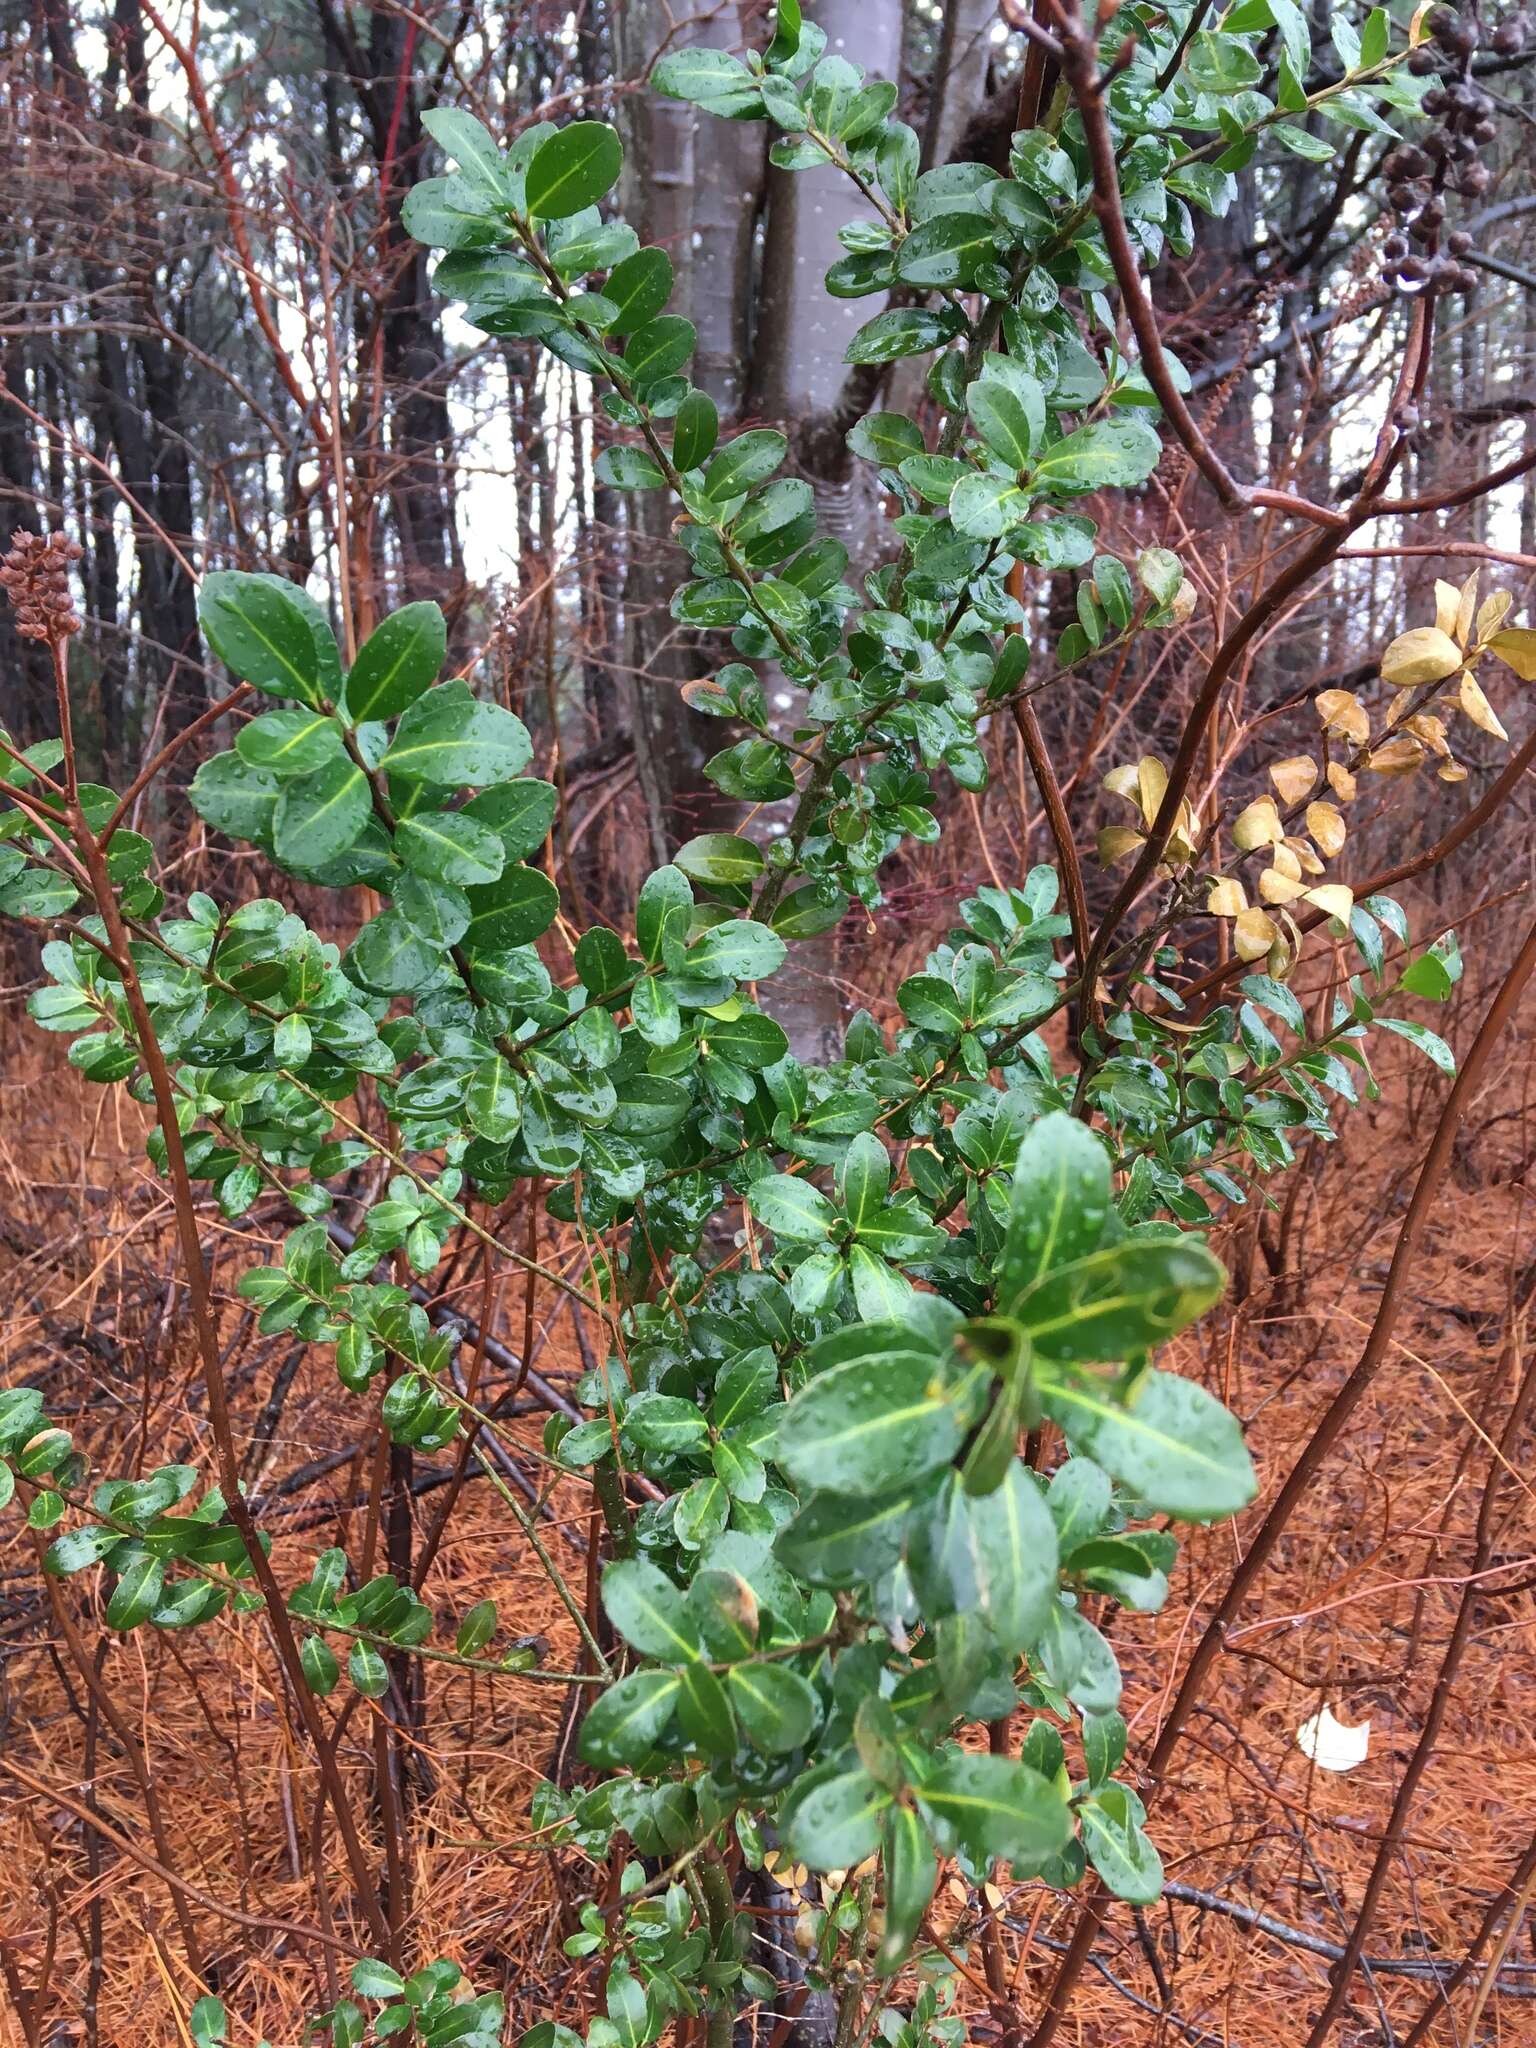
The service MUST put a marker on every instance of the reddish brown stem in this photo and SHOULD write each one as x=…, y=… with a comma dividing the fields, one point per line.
x=227, y=1459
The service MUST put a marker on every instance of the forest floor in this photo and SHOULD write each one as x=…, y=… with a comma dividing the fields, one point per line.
x=1353, y=1614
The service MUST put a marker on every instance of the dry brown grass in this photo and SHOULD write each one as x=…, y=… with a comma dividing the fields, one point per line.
x=1354, y=1613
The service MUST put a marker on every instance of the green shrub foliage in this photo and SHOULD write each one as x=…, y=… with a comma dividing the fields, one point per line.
x=834, y=1300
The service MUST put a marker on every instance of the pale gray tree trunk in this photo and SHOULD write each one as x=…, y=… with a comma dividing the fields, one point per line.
x=693, y=186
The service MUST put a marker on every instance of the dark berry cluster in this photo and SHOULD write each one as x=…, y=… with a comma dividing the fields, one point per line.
x=1449, y=158
x=35, y=576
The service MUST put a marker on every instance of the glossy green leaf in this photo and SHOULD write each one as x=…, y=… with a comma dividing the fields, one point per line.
x=1422, y=1039
x=738, y=948
x=368, y=1671
x=695, y=430
x=1007, y=408
x=514, y=910
x=911, y=1872
x=775, y=1706
x=835, y=1541
x=832, y=1820
x=750, y=459
x=137, y=1592
x=492, y=1102
x=719, y=857
x=639, y=287
x=1170, y=1443
x=572, y=168
x=287, y=743
x=400, y=659
x=709, y=78
x=448, y=737
x=996, y=1809
x=907, y=332
x=869, y=1427
x=1118, y=1849
x=623, y=1723
x=1059, y=1205
x=648, y=1611
x=1122, y=1299
x=234, y=797
x=450, y=847
x=390, y=958
x=318, y=816
x=264, y=633
x=1105, y=453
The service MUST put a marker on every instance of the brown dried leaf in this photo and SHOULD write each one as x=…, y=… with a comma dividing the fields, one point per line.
x=1341, y=782
x=1398, y=757
x=1424, y=725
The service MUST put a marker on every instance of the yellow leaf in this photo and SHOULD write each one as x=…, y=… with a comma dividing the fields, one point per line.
x=1342, y=712
x=1426, y=655
x=1326, y=824
x=1118, y=842
x=1400, y=702
x=1467, y=608
x=1185, y=598
x=1258, y=825
x=1122, y=781
x=1398, y=757
x=1277, y=888
x=1286, y=860
x=1341, y=782
x=1477, y=707
x=1254, y=934
x=1451, y=771
x=1334, y=898
x=1152, y=781
x=1184, y=837
x=1302, y=850
x=1227, y=898
x=1286, y=950
x=1517, y=646
x=1492, y=612
x=1293, y=777
x=1447, y=605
